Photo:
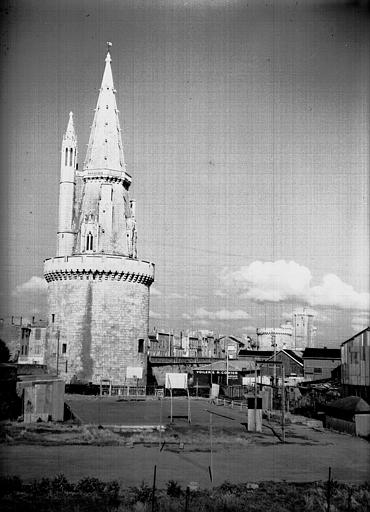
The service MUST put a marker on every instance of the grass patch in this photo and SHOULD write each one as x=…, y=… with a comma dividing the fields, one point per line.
x=94, y=495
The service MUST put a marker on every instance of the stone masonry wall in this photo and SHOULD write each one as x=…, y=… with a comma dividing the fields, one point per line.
x=99, y=324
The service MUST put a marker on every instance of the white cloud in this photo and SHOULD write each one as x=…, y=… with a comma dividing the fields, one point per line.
x=249, y=328
x=333, y=292
x=34, y=285
x=222, y=314
x=281, y=281
x=220, y=293
x=318, y=315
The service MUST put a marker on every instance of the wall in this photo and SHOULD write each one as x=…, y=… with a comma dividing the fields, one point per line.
x=340, y=425
x=325, y=365
x=281, y=336
x=356, y=360
x=290, y=366
x=99, y=323
x=43, y=399
x=362, y=422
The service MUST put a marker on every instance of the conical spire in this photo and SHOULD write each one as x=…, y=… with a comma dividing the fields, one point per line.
x=104, y=150
x=70, y=134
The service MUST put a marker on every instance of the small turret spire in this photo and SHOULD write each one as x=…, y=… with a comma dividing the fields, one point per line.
x=70, y=132
x=104, y=149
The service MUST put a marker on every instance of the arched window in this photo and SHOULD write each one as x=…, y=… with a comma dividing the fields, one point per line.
x=66, y=157
x=70, y=157
x=89, y=242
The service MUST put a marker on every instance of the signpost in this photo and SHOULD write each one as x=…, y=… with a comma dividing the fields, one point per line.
x=177, y=381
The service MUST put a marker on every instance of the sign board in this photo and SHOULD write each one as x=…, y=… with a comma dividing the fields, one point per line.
x=176, y=381
x=215, y=391
x=232, y=374
x=134, y=372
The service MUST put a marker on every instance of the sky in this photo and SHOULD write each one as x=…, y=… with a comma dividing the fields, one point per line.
x=245, y=130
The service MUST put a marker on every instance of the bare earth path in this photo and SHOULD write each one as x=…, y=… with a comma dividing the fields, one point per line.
x=306, y=456
x=349, y=460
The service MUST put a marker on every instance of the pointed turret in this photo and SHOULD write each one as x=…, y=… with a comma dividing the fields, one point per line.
x=106, y=222
x=68, y=166
x=105, y=151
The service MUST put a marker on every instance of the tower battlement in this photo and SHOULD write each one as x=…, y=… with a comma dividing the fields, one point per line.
x=116, y=268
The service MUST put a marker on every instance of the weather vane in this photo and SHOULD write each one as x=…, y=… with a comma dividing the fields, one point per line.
x=109, y=44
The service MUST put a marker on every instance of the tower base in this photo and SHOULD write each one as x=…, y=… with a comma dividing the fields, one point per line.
x=98, y=318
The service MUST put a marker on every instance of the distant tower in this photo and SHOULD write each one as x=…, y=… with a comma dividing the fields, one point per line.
x=304, y=332
x=98, y=291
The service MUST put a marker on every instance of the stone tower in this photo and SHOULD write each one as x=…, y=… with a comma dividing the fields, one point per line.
x=98, y=291
x=304, y=332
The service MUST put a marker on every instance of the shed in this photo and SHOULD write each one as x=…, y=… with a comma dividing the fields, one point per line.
x=350, y=414
x=43, y=397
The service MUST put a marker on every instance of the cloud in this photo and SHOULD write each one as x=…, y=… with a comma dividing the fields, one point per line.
x=319, y=316
x=34, y=285
x=248, y=328
x=174, y=296
x=283, y=281
x=222, y=314
x=333, y=292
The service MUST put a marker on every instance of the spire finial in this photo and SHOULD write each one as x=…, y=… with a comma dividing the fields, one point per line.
x=108, y=59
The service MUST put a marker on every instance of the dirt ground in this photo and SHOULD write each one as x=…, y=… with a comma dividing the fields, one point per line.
x=112, y=411
x=188, y=451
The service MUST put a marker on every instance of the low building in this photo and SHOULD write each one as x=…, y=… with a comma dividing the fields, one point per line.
x=33, y=341
x=318, y=363
x=291, y=362
x=24, y=338
x=255, y=355
x=11, y=334
x=350, y=414
x=194, y=345
x=42, y=397
x=223, y=372
x=355, y=370
x=229, y=345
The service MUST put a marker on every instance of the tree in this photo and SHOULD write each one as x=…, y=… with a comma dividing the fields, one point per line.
x=4, y=352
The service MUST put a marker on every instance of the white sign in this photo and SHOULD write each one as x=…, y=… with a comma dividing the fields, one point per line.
x=215, y=390
x=176, y=380
x=134, y=372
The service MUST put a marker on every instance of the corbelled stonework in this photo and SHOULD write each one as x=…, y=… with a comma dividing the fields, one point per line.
x=98, y=291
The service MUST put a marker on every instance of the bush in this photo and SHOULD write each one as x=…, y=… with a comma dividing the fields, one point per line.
x=90, y=485
x=60, y=485
x=174, y=489
x=143, y=493
x=10, y=485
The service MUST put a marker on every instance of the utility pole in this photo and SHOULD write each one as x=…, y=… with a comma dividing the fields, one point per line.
x=255, y=395
x=227, y=366
x=283, y=402
x=273, y=342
